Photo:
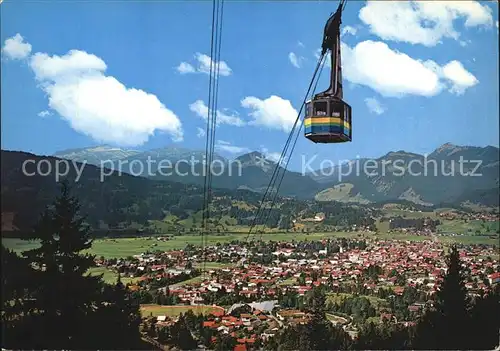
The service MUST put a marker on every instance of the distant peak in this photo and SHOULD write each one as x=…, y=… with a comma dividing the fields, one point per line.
x=104, y=148
x=447, y=146
x=172, y=148
x=251, y=156
x=95, y=148
x=400, y=153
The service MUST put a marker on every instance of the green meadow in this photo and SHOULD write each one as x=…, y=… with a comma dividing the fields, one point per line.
x=174, y=311
x=125, y=247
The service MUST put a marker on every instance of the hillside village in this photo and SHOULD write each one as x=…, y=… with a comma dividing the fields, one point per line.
x=397, y=278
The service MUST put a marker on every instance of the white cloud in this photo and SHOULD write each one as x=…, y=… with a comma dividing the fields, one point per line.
x=327, y=61
x=273, y=112
x=233, y=149
x=300, y=44
x=461, y=79
x=15, y=48
x=185, y=67
x=392, y=73
x=98, y=105
x=74, y=64
x=201, y=132
x=45, y=113
x=389, y=72
x=349, y=30
x=295, y=60
x=464, y=43
x=422, y=22
x=205, y=61
x=374, y=106
x=204, y=65
x=200, y=109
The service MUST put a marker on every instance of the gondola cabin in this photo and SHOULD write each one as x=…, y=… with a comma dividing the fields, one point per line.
x=327, y=120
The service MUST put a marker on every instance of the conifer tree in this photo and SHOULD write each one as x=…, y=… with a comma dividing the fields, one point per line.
x=117, y=322
x=224, y=342
x=181, y=335
x=15, y=281
x=64, y=307
x=65, y=295
x=317, y=334
x=453, y=304
x=447, y=326
x=486, y=320
x=318, y=327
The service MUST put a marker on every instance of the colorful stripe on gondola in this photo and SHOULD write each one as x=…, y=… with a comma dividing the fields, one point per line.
x=327, y=130
x=325, y=121
x=326, y=125
x=317, y=119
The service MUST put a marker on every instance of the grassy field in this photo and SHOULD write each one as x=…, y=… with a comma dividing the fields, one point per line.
x=394, y=212
x=109, y=276
x=336, y=319
x=213, y=265
x=208, y=266
x=462, y=227
x=341, y=193
x=469, y=239
x=18, y=245
x=124, y=247
x=470, y=229
x=174, y=311
x=191, y=281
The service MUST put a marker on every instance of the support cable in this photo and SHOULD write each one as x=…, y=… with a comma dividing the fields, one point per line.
x=293, y=148
x=342, y=5
x=285, y=149
x=211, y=122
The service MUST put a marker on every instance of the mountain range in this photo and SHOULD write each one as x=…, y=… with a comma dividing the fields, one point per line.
x=123, y=200
x=252, y=171
x=123, y=204
x=120, y=200
x=451, y=173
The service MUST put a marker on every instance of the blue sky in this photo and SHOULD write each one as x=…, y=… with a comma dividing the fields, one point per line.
x=417, y=75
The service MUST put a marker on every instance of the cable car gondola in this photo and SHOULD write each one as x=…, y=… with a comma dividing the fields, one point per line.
x=327, y=116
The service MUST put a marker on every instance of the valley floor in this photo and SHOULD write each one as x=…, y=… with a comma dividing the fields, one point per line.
x=124, y=247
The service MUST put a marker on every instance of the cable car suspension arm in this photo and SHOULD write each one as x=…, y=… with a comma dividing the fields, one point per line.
x=331, y=42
